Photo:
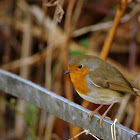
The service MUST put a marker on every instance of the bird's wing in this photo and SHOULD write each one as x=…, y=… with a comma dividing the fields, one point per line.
x=112, y=81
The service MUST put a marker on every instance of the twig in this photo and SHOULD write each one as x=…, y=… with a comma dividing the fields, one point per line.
x=77, y=13
x=67, y=29
x=108, y=41
x=51, y=3
x=24, y=72
x=60, y=11
x=106, y=25
x=42, y=122
x=121, y=111
x=130, y=115
x=136, y=123
x=48, y=65
x=133, y=45
x=56, y=137
x=92, y=28
x=41, y=126
x=23, y=62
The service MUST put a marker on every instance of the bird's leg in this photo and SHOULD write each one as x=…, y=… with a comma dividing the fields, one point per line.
x=94, y=112
x=103, y=116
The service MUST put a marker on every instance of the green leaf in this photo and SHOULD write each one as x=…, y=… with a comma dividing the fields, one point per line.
x=75, y=53
x=84, y=42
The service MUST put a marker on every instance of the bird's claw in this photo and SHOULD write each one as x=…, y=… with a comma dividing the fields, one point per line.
x=100, y=120
x=91, y=114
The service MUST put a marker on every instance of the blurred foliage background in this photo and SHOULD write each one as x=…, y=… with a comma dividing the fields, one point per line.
x=37, y=39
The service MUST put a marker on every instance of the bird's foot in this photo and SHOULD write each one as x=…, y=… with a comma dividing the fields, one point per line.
x=104, y=115
x=92, y=113
x=101, y=119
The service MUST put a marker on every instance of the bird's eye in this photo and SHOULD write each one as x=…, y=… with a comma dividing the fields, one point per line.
x=80, y=66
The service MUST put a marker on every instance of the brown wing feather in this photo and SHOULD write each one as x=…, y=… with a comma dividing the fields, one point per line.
x=114, y=81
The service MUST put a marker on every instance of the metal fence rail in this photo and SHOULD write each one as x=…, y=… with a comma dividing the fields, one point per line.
x=61, y=107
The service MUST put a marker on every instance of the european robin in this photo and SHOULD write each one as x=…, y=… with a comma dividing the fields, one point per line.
x=98, y=82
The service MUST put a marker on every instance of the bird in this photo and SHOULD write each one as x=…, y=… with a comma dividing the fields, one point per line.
x=98, y=82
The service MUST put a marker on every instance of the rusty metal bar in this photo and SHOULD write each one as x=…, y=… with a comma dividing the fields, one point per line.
x=61, y=107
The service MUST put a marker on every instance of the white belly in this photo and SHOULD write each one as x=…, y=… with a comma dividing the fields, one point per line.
x=103, y=97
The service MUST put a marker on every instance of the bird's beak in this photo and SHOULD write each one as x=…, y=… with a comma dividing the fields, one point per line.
x=68, y=71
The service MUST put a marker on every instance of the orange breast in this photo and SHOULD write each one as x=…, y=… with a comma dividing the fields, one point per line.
x=79, y=81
